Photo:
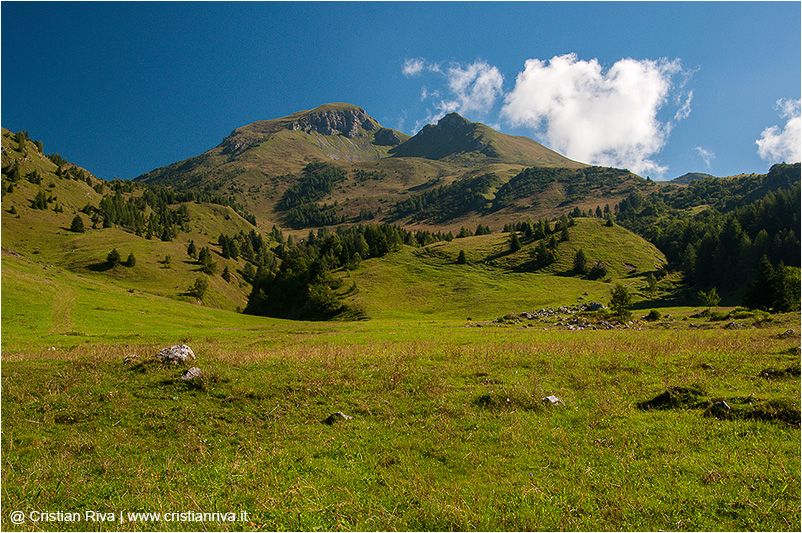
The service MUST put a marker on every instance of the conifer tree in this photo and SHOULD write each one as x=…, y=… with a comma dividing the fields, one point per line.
x=515, y=243
x=620, y=300
x=113, y=258
x=77, y=225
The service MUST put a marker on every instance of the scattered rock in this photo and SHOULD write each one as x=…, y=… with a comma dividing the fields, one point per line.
x=175, y=354
x=131, y=359
x=732, y=325
x=192, y=374
x=705, y=366
x=333, y=418
x=553, y=400
x=788, y=334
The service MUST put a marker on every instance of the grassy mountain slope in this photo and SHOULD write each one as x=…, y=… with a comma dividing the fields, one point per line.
x=428, y=281
x=44, y=237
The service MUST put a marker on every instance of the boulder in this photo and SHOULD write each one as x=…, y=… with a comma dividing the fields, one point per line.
x=179, y=353
x=192, y=374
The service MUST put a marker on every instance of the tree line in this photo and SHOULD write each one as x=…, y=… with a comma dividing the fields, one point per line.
x=732, y=244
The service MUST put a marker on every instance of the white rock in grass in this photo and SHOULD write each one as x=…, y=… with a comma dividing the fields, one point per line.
x=192, y=373
x=175, y=354
x=553, y=400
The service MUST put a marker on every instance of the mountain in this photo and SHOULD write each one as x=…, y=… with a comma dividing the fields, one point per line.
x=685, y=179
x=331, y=132
x=457, y=139
x=42, y=199
x=337, y=165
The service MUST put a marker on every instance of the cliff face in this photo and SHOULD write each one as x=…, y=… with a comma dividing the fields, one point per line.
x=346, y=122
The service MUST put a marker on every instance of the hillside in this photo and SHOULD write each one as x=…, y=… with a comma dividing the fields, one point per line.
x=495, y=281
x=41, y=201
x=378, y=170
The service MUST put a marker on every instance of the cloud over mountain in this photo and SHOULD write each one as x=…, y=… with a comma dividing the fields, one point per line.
x=784, y=144
x=472, y=89
x=589, y=113
x=598, y=116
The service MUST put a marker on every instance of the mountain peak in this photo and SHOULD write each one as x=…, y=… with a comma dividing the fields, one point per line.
x=334, y=119
x=455, y=137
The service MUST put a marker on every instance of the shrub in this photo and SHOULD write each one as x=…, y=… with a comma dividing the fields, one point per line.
x=653, y=315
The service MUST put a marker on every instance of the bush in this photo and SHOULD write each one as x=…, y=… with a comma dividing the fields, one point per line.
x=653, y=315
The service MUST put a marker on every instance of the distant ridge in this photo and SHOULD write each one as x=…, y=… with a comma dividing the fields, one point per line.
x=685, y=179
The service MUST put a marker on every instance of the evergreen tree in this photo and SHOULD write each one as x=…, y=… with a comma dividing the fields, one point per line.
x=515, y=243
x=651, y=285
x=113, y=259
x=226, y=274
x=40, y=201
x=199, y=288
x=620, y=300
x=461, y=259
x=580, y=262
x=709, y=298
x=131, y=261
x=77, y=225
x=191, y=250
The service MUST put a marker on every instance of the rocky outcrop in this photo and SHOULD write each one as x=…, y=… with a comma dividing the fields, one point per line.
x=346, y=122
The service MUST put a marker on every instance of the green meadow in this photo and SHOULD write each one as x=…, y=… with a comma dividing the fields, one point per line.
x=448, y=430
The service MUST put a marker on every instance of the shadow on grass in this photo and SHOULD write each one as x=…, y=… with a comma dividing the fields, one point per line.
x=100, y=267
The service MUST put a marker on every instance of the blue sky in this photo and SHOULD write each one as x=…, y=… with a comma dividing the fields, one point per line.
x=660, y=88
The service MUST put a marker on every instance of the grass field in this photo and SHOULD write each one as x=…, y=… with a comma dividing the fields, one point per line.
x=448, y=430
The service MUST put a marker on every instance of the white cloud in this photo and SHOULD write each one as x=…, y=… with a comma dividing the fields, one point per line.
x=475, y=87
x=472, y=89
x=598, y=116
x=413, y=67
x=416, y=66
x=784, y=144
x=706, y=155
